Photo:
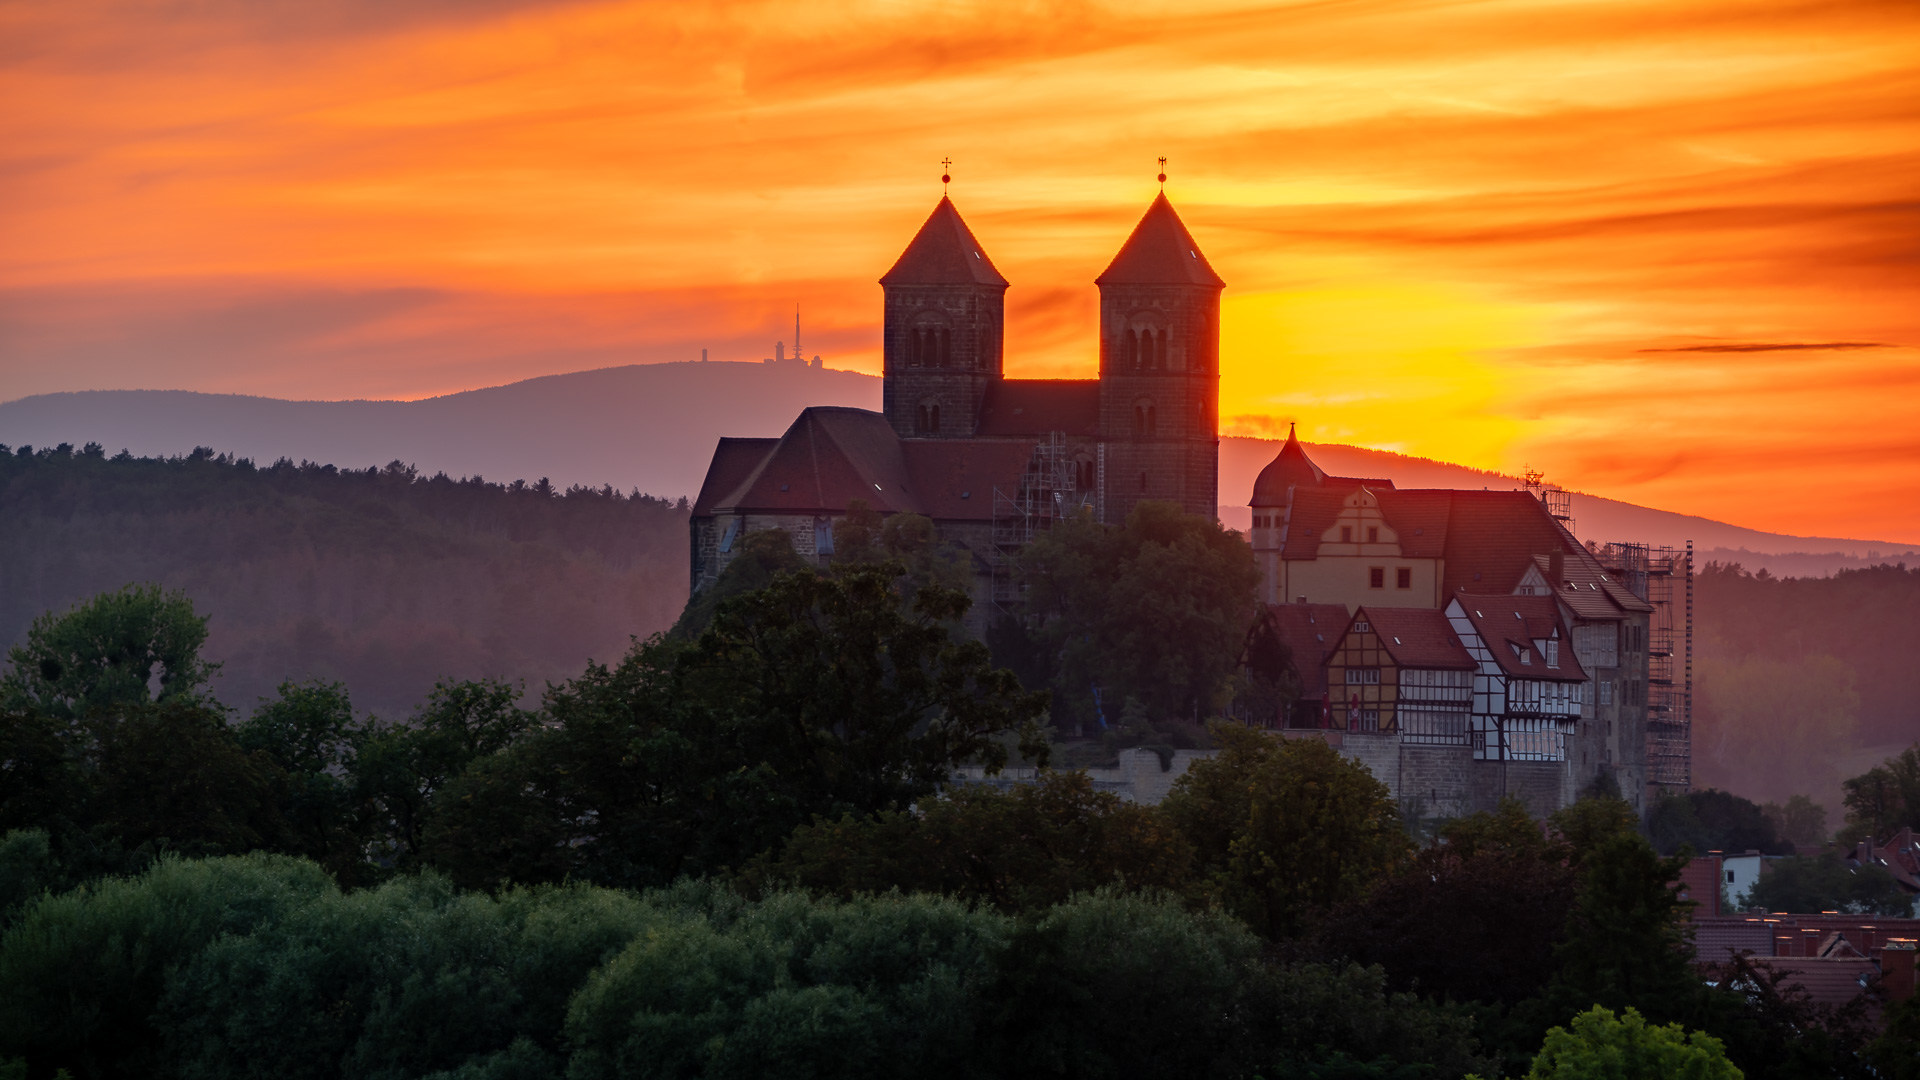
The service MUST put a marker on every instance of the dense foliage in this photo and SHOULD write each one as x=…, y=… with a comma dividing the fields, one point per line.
x=260, y=966
x=736, y=851
x=1711, y=820
x=385, y=580
x=1155, y=612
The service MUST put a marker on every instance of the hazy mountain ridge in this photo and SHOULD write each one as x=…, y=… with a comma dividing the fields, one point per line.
x=652, y=428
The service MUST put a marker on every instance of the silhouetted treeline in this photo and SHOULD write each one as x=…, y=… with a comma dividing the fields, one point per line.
x=383, y=579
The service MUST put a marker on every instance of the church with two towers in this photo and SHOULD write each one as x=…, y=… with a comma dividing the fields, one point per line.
x=990, y=459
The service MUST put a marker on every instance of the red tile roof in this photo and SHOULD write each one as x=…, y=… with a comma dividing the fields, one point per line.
x=944, y=252
x=1505, y=621
x=1160, y=252
x=1899, y=855
x=733, y=461
x=954, y=478
x=1039, y=406
x=1311, y=631
x=1417, y=637
x=1828, y=982
x=830, y=456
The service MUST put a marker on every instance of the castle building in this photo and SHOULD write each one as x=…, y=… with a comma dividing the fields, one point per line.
x=1562, y=665
x=989, y=459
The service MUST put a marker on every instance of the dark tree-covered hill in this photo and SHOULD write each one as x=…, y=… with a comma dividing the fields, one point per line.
x=1794, y=674
x=382, y=579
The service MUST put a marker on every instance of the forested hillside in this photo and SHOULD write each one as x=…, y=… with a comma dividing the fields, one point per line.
x=1793, y=673
x=382, y=579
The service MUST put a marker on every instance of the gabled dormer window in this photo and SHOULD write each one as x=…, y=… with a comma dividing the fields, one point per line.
x=1553, y=652
x=1524, y=654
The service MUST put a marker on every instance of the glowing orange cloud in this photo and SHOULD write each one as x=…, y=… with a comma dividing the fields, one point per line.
x=1570, y=234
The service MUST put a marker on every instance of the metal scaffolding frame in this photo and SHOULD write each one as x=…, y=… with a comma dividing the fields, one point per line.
x=1663, y=576
x=1047, y=492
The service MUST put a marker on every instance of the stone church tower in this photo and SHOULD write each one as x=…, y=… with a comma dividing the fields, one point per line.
x=944, y=321
x=1160, y=370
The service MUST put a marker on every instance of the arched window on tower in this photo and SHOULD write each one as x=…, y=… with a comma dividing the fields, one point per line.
x=926, y=419
x=1144, y=424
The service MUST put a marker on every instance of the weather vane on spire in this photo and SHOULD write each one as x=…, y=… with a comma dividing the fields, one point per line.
x=1163, y=174
x=946, y=174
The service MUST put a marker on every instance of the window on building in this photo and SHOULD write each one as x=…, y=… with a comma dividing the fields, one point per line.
x=1083, y=473
x=1363, y=676
x=1553, y=652
x=1373, y=534
x=1403, y=577
x=1143, y=419
x=1376, y=577
x=1362, y=627
x=1606, y=691
x=1346, y=534
x=927, y=420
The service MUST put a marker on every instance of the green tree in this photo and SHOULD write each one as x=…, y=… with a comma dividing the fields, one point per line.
x=1023, y=849
x=1809, y=884
x=1157, y=610
x=1473, y=917
x=854, y=704
x=1712, y=820
x=82, y=974
x=138, y=645
x=1628, y=941
x=172, y=777
x=1800, y=821
x=1604, y=1046
x=813, y=696
x=1896, y=1053
x=1285, y=827
x=1884, y=799
x=309, y=731
x=759, y=557
x=402, y=768
x=1591, y=824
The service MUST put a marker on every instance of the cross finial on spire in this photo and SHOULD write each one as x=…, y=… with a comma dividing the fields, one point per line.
x=1163, y=174
x=946, y=174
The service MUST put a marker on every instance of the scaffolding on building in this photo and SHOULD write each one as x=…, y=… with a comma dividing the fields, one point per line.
x=1663, y=577
x=1048, y=491
x=1558, y=500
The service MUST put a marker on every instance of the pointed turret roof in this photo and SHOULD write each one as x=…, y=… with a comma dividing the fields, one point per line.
x=1160, y=252
x=944, y=252
x=1290, y=467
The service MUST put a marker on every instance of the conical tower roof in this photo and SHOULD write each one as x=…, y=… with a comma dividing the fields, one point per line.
x=944, y=252
x=1290, y=467
x=1160, y=252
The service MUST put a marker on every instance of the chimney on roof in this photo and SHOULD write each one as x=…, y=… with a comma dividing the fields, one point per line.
x=1896, y=968
x=1557, y=570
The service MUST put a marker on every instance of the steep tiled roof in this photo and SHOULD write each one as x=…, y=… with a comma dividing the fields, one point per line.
x=1160, y=252
x=1899, y=855
x=954, y=478
x=733, y=461
x=1419, y=516
x=1492, y=537
x=830, y=455
x=1038, y=406
x=1311, y=631
x=1290, y=467
x=1828, y=982
x=1504, y=621
x=944, y=252
x=1417, y=637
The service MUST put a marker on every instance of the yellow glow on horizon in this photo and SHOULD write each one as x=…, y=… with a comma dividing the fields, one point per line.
x=1399, y=366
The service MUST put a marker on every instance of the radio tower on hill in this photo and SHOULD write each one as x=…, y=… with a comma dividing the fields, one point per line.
x=780, y=347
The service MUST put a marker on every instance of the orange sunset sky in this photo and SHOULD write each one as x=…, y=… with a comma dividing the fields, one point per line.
x=1667, y=252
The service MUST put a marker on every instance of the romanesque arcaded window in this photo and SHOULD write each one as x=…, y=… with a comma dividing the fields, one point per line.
x=1144, y=423
x=926, y=420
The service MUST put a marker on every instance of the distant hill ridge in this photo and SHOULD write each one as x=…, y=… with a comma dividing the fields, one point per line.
x=652, y=428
